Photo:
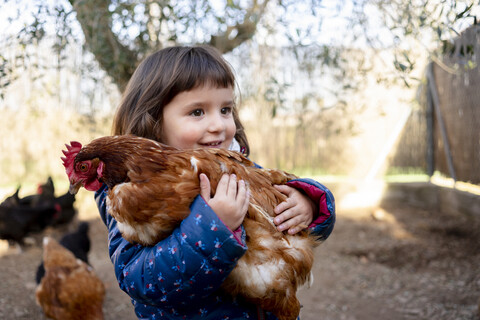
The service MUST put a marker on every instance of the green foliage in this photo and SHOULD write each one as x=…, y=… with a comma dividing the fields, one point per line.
x=5, y=75
x=429, y=25
x=121, y=33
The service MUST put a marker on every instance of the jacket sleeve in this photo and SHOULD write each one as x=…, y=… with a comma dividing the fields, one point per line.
x=323, y=220
x=192, y=262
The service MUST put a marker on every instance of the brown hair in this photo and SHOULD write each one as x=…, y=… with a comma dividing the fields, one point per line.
x=163, y=75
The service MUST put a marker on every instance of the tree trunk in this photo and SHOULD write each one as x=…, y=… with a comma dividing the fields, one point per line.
x=118, y=61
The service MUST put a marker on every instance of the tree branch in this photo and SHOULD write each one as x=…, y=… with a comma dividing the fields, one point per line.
x=116, y=59
x=228, y=40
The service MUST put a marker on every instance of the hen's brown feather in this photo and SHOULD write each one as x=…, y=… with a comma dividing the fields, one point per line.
x=151, y=187
x=69, y=290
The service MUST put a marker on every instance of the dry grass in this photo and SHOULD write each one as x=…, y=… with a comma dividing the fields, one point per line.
x=32, y=140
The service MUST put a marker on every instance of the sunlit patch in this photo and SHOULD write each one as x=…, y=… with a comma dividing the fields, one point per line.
x=369, y=196
x=3, y=247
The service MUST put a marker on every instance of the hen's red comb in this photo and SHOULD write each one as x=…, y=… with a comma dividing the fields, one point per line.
x=72, y=150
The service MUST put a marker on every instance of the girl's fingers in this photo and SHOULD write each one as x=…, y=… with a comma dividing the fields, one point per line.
x=286, y=215
x=241, y=191
x=232, y=186
x=205, y=187
x=284, y=206
x=243, y=195
x=222, y=186
x=286, y=225
x=286, y=190
x=289, y=202
x=290, y=224
x=246, y=203
x=295, y=230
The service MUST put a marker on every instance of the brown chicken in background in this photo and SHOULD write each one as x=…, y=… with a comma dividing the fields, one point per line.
x=70, y=289
x=151, y=187
x=76, y=241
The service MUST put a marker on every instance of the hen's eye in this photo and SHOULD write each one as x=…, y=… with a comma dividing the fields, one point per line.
x=83, y=167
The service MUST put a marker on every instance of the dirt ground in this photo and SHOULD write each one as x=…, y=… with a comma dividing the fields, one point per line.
x=393, y=262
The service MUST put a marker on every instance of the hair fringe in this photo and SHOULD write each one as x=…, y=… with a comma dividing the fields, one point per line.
x=163, y=75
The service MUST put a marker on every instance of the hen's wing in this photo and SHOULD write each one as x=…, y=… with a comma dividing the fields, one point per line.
x=161, y=187
x=156, y=197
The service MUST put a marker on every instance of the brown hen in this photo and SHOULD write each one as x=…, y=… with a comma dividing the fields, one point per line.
x=70, y=289
x=151, y=187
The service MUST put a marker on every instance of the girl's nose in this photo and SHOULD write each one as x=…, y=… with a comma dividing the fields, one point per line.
x=216, y=123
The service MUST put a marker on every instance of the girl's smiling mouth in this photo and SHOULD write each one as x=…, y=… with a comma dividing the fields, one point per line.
x=213, y=144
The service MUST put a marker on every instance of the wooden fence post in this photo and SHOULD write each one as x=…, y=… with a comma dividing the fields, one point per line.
x=436, y=103
x=430, y=142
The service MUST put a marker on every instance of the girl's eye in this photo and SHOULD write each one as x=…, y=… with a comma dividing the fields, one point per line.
x=83, y=167
x=226, y=110
x=197, y=113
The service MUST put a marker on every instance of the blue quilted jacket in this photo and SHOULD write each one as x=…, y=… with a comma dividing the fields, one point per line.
x=180, y=277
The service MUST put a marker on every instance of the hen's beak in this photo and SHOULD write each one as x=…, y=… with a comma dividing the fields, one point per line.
x=74, y=186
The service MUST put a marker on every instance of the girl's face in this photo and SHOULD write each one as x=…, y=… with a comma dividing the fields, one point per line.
x=200, y=118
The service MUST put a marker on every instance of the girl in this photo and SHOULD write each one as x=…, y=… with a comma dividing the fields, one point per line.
x=183, y=96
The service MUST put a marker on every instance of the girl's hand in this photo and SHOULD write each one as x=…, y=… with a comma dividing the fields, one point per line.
x=295, y=213
x=230, y=201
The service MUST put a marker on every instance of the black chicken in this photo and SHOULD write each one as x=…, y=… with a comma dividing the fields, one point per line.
x=45, y=195
x=65, y=209
x=16, y=222
x=21, y=216
x=12, y=200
